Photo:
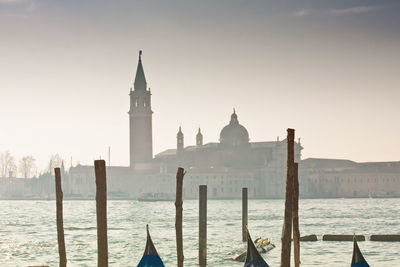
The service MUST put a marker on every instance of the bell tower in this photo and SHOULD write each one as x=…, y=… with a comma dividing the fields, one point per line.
x=140, y=119
x=179, y=141
x=199, y=138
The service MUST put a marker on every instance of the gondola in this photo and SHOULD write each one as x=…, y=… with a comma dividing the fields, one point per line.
x=253, y=258
x=358, y=259
x=150, y=256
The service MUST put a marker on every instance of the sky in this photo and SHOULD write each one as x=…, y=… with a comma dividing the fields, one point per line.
x=329, y=69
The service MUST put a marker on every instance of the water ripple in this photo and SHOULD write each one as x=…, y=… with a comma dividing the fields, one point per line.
x=28, y=233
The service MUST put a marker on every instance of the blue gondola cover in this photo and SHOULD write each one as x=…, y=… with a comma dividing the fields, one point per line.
x=360, y=264
x=151, y=261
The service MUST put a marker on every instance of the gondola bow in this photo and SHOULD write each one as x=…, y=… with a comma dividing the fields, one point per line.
x=358, y=259
x=150, y=256
x=253, y=258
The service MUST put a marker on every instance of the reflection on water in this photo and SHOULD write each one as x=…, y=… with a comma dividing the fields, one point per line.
x=28, y=231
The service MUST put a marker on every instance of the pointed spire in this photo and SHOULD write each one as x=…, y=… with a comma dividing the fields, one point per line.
x=180, y=132
x=179, y=141
x=140, y=80
x=234, y=118
x=199, y=138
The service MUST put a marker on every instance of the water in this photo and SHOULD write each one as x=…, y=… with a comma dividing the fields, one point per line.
x=28, y=231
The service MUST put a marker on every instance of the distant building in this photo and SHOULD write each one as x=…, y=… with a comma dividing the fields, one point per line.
x=345, y=178
x=42, y=187
x=140, y=121
x=230, y=164
x=225, y=166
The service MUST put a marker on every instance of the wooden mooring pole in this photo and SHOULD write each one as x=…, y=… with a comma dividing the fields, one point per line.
x=202, y=225
x=244, y=214
x=287, y=224
x=295, y=215
x=178, y=219
x=101, y=211
x=60, y=220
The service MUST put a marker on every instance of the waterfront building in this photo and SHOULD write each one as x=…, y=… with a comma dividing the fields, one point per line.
x=346, y=178
x=225, y=166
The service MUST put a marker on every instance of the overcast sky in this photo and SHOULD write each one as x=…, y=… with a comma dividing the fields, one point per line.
x=329, y=69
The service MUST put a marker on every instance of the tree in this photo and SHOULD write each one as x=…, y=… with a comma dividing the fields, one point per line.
x=27, y=166
x=7, y=164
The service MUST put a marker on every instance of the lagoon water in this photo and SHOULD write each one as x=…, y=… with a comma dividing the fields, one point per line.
x=28, y=231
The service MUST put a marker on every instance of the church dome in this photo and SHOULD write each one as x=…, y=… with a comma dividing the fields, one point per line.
x=234, y=133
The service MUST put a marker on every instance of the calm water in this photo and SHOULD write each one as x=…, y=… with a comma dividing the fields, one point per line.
x=28, y=231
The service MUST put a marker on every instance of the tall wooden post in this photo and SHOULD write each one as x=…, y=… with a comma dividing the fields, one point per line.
x=287, y=224
x=202, y=225
x=60, y=220
x=101, y=211
x=295, y=215
x=244, y=214
x=178, y=219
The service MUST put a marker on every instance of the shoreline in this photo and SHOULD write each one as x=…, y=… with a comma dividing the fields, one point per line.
x=210, y=199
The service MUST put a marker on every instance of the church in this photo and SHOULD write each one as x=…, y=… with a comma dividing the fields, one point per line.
x=225, y=166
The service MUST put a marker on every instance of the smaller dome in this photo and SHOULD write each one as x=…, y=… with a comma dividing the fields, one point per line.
x=234, y=133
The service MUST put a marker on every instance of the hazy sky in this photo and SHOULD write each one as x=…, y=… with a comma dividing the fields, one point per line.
x=329, y=69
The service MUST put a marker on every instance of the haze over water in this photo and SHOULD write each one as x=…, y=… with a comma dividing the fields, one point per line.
x=28, y=231
x=319, y=66
x=327, y=68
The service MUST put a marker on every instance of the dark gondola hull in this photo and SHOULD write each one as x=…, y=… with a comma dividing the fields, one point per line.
x=358, y=259
x=150, y=256
x=256, y=264
x=253, y=258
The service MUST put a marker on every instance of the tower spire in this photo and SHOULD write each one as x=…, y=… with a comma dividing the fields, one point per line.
x=140, y=83
x=140, y=120
x=234, y=118
x=179, y=140
x=199, y=138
